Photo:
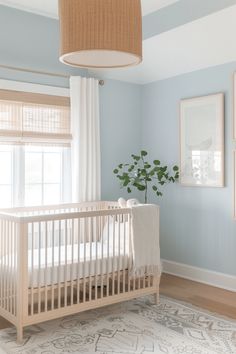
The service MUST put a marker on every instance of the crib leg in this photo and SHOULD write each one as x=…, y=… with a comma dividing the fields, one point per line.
x=19, y=334
x=157, y=298
x=157, y=293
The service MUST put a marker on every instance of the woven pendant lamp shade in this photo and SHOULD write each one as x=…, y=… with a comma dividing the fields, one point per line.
x=100, y=33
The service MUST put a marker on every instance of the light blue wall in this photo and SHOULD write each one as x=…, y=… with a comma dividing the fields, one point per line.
x=32, y=42
x=120, y=131
x=196, y=223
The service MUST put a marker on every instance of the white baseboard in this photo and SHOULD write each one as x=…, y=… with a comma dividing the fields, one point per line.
x=220, y=280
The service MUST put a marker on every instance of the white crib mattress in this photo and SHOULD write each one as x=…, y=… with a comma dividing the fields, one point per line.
x=67, y=263
x=59, y=264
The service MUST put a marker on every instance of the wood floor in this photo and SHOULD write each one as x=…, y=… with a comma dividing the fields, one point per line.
x=207, y=297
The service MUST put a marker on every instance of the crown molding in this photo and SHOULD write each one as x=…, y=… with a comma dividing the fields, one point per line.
x=27, y=9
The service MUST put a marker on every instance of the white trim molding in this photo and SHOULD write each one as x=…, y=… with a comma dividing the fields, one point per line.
x=201, y=275
x=34, y=88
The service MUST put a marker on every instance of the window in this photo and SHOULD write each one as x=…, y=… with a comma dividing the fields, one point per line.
x=6, y=176
x=34, y=175
x=43, y=175
x=34, y=150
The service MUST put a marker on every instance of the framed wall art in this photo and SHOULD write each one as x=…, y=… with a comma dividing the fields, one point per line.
x=234, y=107
x=202, y=141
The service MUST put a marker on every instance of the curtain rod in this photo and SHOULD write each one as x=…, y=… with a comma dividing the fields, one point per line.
x=47, y=73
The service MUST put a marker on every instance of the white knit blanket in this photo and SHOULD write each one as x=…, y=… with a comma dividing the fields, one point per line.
x=145, y=240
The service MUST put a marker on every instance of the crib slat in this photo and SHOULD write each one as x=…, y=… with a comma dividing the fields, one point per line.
x=129, y=259
x=124, y=255
x=72, y=260
x=1, y=265
x=144, y=280
x=7, y=260
x=5, y=263
x=113, y=255
x=96, y=256
x=4, y=255
x=22, y=276
x=15, y=268
x=46, y=266
x=78, y=263
x=149, y=280
x=53, y=270
x=108, y=250
x=90, y=255
x=15, y=265
x=59, y=267
x=10, y=266
x=6, y=269
x=119, y=245
x=65, y=267
x=84, y=263
x=102, y=256
x=39, y=266
x=32, y=269
x=139, y=282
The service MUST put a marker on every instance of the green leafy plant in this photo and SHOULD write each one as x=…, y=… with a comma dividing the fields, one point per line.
x=141, y=174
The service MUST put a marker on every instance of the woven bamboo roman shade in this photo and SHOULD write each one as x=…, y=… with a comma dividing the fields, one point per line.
x=28, y=117
x=100, y=33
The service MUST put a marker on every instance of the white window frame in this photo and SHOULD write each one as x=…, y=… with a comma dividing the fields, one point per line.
x=18, y=193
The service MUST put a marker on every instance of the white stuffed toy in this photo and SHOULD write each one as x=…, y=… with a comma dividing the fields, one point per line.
x=122, y=203
x=132, y=202
x=127, y=204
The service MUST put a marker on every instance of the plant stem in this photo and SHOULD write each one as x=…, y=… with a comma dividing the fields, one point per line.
x=146, y=185
x=146, y=189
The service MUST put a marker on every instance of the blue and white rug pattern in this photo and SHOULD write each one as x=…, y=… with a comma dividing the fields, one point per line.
x=133, y=327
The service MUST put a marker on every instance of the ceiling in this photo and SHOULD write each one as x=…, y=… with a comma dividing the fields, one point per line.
x=49, y=7
x=203, y=43
x=199, y=44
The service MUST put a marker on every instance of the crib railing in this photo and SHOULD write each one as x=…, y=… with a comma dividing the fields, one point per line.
x=55, y=261
x=78, y=258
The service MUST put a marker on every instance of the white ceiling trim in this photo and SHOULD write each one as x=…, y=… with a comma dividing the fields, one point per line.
x=149, y=6
x=204, y=43
x=19, y=6
x=49, y=8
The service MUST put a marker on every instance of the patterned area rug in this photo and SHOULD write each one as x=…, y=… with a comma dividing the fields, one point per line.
x=134, y=327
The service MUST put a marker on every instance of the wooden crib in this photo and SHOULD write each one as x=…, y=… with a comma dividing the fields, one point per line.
x=60, y=260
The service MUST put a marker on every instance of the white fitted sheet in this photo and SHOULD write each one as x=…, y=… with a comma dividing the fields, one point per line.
x=58, y=264
x=89, y=259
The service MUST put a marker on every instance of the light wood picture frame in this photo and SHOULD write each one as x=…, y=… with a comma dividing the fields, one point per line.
x=234, y=194
x=202, y=141
x=234, y=106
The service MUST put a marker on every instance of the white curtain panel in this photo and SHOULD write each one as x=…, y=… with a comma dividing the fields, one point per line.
x=86, y=152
